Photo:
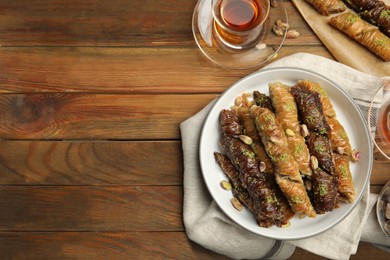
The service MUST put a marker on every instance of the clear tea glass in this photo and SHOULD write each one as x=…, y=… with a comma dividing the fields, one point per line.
x=379, y=119
x=238, y=23
x=237, y=34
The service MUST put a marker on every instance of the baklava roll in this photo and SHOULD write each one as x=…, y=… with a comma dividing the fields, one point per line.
x=321, y=149
x=286, y=168
x=230, y=124
x=326, y=7
x=379, y=15
x=344, y=179
x=325, y=197
x=338, y=136
x=323, y=178
x=364, y=33
x=249, y=129
x=287, y=114
x=310, y=109
x=266, y=205
x=327, y=107
x=231, y=172
x=361, y=5
x=262, y=100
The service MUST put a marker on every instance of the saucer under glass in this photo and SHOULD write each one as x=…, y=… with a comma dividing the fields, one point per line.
x=264, y=50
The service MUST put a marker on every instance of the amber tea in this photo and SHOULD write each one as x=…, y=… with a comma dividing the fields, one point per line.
x=240, y=14
x=384, y=124
x=238, y=23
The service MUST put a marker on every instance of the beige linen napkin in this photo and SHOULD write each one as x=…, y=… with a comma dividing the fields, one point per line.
x=208, y=226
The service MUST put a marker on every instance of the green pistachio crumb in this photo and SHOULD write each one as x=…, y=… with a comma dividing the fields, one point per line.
x=381, y=42
x=352, y=18
x=343, y=170
x=269, y=117
x=296, y=200
x=289, y=107
x=322, y=92
x=249, y=154
x=310, y=119
x=284, y=157
x=319, y=148
x=385, y=14
x=343, y=135
x=271, y=199
x=299, y=149
x=322, y=189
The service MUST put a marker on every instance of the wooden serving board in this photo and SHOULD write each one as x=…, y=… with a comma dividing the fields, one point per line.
x=343, y=48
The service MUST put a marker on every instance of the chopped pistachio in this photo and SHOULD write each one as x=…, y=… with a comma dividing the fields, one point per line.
x=236, y=204
x=296, y=200
x=282, y=25
x=319, y=148
x=322, y=189
x=304, y=130
x=226, y=185
x=313, y=162
x=288, y=224
x=262, y=166
x=292, y=34
x=249, y=154
x=385, y=14
x=245, y=139
x=340, y=150
x=355, y=155
x=271, y=199
x=289, y=107
x=343, y=170
x=299, y=149
x=284, y=157
x=289, y=132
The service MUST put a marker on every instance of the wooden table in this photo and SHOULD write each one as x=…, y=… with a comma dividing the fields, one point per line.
x=92, y=94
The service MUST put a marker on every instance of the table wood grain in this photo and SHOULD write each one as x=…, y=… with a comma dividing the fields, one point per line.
x=91, y=97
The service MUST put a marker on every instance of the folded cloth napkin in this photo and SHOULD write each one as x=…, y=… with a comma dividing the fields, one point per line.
x=208, y=226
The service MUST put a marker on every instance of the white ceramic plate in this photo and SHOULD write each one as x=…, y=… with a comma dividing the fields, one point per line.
x=349, y=116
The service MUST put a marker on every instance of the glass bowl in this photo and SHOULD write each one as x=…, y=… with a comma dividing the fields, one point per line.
x=383, y=209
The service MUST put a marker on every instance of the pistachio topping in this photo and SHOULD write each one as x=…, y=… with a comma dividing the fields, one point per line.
x=236, y=204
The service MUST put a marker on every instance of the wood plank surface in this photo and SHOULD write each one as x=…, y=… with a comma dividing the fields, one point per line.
x=95, y=23
x=101, y=23
x=98, y=208
x=88, y=116
x=91, y=97
x=127, y=245
x=91, y=208
x=104, y=163
x=90, y=163
x=101, y=245
x=119, y=70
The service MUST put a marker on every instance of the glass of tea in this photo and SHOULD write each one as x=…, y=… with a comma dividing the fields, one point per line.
x=238, y=23
x=379, y=119
x=238, y=33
